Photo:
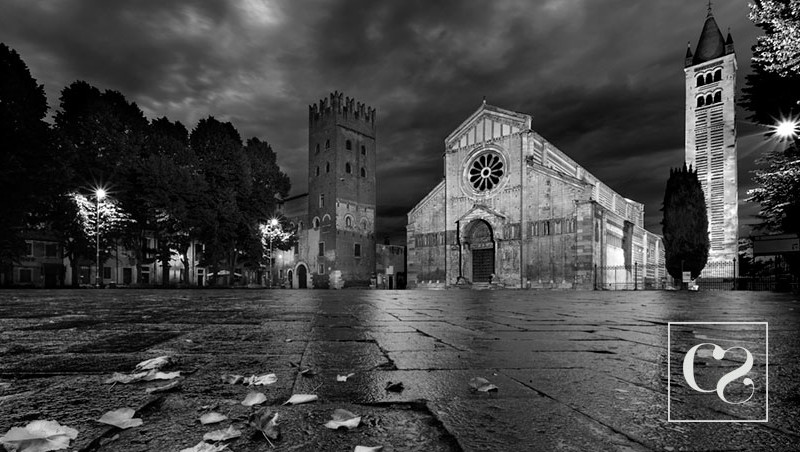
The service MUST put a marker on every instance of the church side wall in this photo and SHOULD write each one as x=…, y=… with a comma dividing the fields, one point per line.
x=426, y=243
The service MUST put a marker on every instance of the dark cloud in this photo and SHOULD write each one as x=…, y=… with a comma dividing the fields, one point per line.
x=603, y=79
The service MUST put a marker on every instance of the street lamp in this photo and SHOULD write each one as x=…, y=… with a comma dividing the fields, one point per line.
x=787, y=128
x=99, y=194
x=273, y=224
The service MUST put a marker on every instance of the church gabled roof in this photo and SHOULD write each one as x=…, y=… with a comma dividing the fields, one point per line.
x=711, y=44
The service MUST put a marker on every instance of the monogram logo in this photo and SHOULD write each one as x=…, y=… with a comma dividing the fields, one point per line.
x=730, y=377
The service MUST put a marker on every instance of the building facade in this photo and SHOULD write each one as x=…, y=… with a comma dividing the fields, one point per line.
x=336, y=218
x=516, y=211
x=710, y=74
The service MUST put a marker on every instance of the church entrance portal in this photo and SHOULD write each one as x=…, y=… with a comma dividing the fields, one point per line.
x=301, y=277
x=482, y=246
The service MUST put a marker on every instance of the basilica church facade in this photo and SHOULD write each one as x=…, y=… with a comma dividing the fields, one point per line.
x=514, y=210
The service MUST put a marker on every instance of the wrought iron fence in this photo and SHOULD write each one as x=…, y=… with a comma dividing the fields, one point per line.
x=729, y=275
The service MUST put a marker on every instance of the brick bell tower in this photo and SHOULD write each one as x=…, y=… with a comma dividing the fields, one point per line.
x=710, y=74
x=341, y=187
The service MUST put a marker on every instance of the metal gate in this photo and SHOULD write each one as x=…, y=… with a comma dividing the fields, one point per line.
x=482, y=264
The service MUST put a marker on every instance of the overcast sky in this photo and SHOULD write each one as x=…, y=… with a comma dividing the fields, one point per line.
x=603, y=79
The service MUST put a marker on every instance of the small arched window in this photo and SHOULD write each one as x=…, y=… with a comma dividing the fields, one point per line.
x=317, y=171
x=315, y=223
x=348, y=221
x=718, y=75
x=363, y=172
x=327, y=167
x=701, y=101
x=709, y=78
x=718, y=96
x=363, y=150
x=699, y=80
x=347, y=168
x=709, y=99
x=348, y=145
x=322, y=200
x=327, y=144
x=317, y=150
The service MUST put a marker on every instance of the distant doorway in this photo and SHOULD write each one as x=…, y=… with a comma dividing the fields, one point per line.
x=301, y=277
x=481, y=242
x=290, y=274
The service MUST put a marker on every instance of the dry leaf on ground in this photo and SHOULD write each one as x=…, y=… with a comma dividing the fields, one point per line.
x=121, y=418
x=343, y=418
x=222, y=435
x=344, y=377
x=38, y=436
x=368, y=449
x=307, y=372
x=297, y=399
x=232, y=379
x=212, y=418
x=482, y=385
x=260, y=380
x=165, y=388
x=395, y=387
x=206, y=447
x=254, y=398
x=265, y=422
x=153, y=364
x=126, y=378
x=153, y=375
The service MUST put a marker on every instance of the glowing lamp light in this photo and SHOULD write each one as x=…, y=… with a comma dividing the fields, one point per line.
x=787, y=129
x=273, y=222
x=100, y=193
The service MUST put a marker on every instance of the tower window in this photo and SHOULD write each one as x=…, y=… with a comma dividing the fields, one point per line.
x=315, y=222
x=709, y=99
x=317, y=151
x=701, y=101
x=709, y=78
x=357, y=250
x=347, y=168
x=327, y=144
x=718, y=75
x=363, y=172
x=322, y=200
x=718, y=96
x=327, y=167
x=363, y=150
x=317, y=171
x=321, y=249
x=321, y=269
x=700, y=80
x=348, y=221
x=348, y=145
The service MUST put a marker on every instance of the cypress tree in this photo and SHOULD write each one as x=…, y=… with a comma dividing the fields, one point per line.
x=685, y=223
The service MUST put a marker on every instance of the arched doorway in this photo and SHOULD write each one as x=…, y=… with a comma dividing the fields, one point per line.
x=289, y=275
x=302, y=271
x=481, y=243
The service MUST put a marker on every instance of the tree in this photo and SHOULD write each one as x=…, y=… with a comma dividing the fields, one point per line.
x=778, y=50
x=27, y=162
x=685, y=224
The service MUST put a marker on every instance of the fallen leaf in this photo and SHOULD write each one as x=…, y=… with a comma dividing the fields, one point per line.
x=621, y=390
x=307, y=372
x=232, y=379
x=265, y=422
x=368, y=449
x=38, y=436
x=121, y=418
x=212, y=418
x=482, y=385
x=153, y=364
x=152, y=375
x=222, y=435
x=165, y=388
x=206, y=447
x=343, y=418
x=261, y=380
x=297, y=399
x=343, y=377
x=395, y=387
x=254, y=398
x=288, y=340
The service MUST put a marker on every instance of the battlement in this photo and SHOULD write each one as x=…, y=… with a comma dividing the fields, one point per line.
x=339, y=106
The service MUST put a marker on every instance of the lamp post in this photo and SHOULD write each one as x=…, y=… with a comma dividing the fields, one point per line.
x=99, y=194
x=273, y=223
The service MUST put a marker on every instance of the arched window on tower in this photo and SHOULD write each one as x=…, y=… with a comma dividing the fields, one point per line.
x=709, y=99
x=348, y=145
x=709, y=78
x=317, y=150
x=718, y=96
x=701, y=101
x=322, y=200
x=363, y=172
x=327, y=144
x=317, y=171
x=347, y=168
x=348, y=221
x=327, y=167
x=363, y=150
x=700, y=80
x=718, y=75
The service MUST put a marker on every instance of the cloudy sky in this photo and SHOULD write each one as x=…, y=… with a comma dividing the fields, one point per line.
x=603, y=79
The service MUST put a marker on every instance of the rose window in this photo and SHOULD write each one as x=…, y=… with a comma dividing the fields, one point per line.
x=486, y=171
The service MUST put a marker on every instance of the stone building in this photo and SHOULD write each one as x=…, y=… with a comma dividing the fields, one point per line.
x=515, y=210
x=711, y=134
x=336, y=218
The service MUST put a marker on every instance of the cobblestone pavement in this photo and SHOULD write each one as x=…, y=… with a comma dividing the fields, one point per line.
x=575, y=370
